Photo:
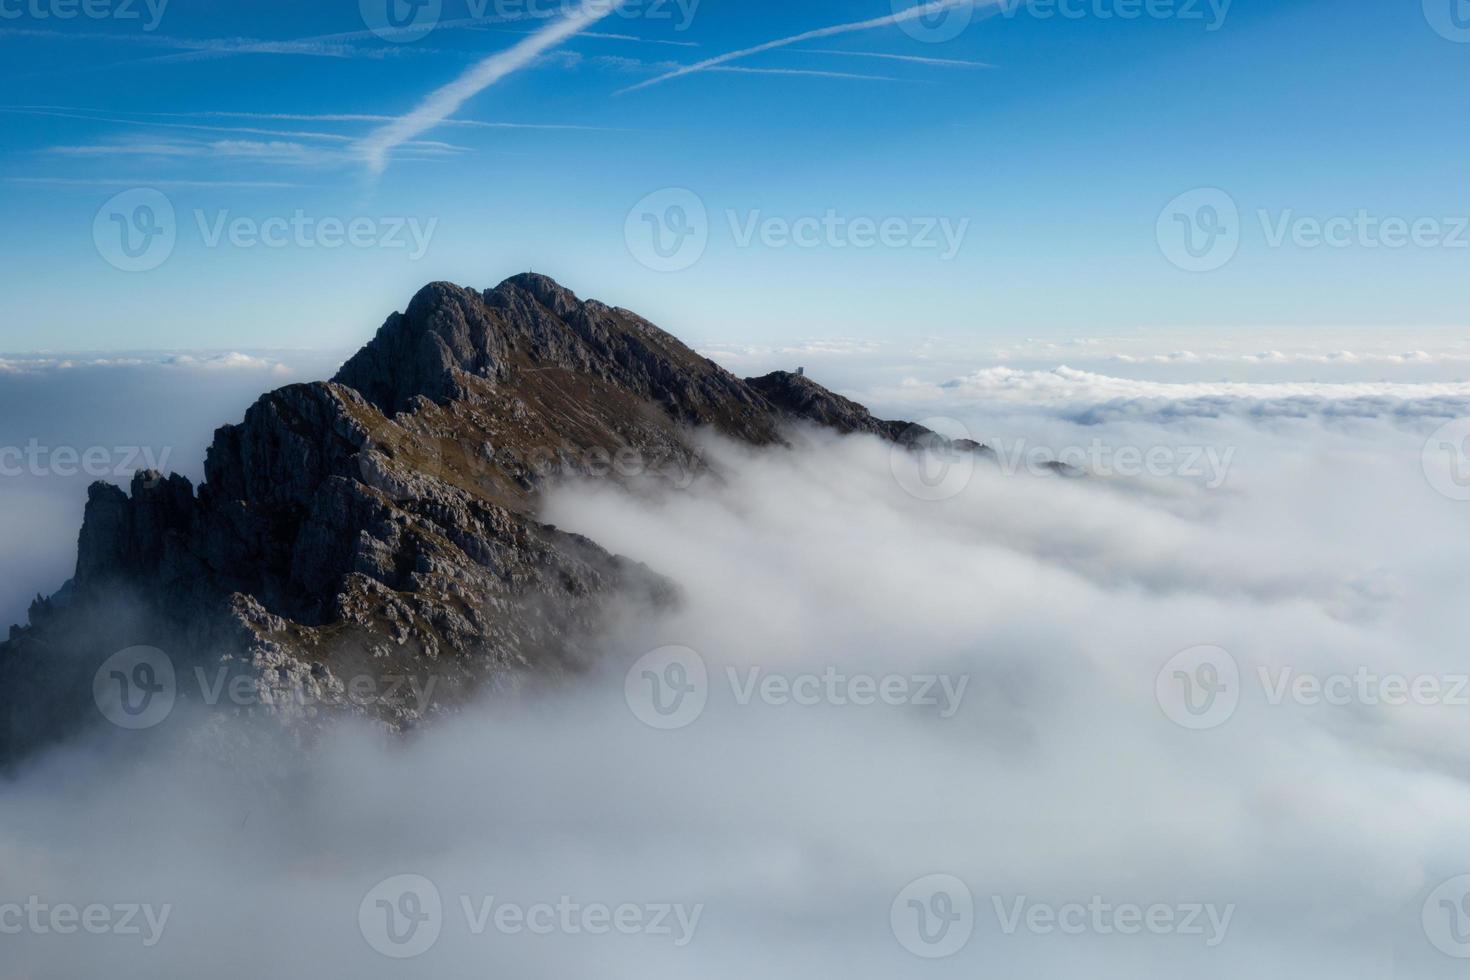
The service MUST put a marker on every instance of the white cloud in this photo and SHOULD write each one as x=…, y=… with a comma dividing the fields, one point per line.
x=1066, y=386
x=228, y=361
x=152, y=182
x=445, y=102
x=194, y=360
x=911, y=58
x=910, y=14
x=795, y=827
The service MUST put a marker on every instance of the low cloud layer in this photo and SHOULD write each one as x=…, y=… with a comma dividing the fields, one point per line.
x=925, y=711
x=1091, y=396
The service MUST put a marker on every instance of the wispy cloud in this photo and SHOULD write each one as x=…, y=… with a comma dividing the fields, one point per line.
x=152, y=182
x=912, y=58
x=641, y=40
x=633, y=64
x=904, y=16
x=338, y=45
x=602, y=36
x=445, y=102
x=101, y=115
x=278, y=152
x=327, y=46
x=809, y=73
x=275, y=151
x=196, y=127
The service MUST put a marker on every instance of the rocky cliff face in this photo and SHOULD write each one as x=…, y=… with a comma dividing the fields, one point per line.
x=384, y=523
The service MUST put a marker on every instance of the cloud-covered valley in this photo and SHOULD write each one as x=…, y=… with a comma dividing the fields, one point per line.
x=902, y=667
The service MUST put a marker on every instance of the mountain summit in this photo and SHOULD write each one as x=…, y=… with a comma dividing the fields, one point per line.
x=384, y=522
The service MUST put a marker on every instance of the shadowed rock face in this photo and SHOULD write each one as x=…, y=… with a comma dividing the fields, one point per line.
x=797, y=396
x=384, y=523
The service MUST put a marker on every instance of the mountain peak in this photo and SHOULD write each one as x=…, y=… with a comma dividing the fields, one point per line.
x=547, y=291
x=389, y=517
x=457, y=345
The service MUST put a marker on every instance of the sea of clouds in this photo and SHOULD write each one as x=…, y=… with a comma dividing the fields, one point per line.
x=915, y=715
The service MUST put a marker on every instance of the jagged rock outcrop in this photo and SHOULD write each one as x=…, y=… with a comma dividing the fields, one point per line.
x=384, y=523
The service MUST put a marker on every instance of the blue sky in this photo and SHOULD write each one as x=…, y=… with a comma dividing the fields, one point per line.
x=1015, y=178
